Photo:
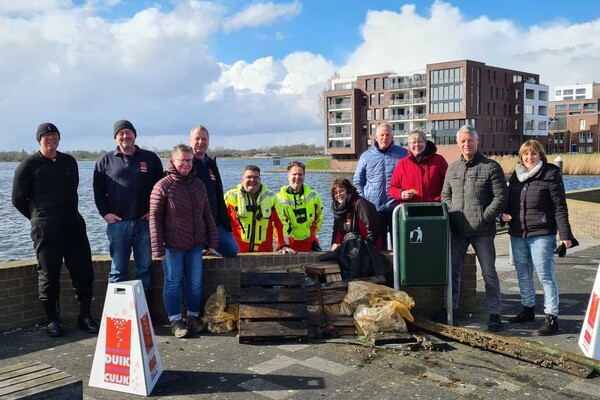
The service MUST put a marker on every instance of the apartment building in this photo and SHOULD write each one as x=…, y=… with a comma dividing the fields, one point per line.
x=573, y=123
x=506, y=107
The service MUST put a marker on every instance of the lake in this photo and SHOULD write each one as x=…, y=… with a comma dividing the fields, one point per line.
x=16, y=243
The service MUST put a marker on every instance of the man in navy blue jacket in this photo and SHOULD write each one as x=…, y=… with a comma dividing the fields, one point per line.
x=207, y=170
x=123, y=181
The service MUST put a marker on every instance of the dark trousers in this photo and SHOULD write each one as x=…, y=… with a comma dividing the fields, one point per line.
x=385, y=226
x=55, y=240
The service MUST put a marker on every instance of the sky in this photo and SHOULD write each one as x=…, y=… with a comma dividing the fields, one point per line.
x=252, y=71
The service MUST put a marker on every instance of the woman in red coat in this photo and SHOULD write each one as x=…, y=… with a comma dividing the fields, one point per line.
x=419, y=177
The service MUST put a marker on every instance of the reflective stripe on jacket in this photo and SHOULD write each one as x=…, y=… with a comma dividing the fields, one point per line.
x=254, y=222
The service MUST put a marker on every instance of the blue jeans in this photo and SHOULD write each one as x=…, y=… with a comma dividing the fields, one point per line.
x=486, y=254
x=123, y=236
x=227, y=245
x=182, y=266
x=536, y=252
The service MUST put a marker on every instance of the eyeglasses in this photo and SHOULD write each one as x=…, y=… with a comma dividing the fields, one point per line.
x=185, y=160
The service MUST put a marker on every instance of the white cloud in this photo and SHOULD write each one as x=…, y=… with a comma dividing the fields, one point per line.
x=405, y=41
x=71, y=66
x=261, y=14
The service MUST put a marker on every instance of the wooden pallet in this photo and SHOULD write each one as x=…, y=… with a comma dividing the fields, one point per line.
x=331, y=269
x=35, y=380
x=272, y=306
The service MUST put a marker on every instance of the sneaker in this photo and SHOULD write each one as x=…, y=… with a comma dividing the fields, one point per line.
x=526, y=315
x=195, y=324
x=550, y=326
x=53, y=329
x=178, y=328
x=495, y=323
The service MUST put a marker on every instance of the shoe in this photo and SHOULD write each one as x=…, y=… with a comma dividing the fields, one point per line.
x=550, y=326
x=195, y=324
x=87, y=324
x=495, y=323
x=53, y=329
x=179, y=329
x=526, y=315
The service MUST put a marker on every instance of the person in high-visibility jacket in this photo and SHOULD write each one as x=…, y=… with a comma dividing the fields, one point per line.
x=302, y=210
x=252, y=209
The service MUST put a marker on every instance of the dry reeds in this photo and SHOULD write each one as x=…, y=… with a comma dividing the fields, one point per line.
x=573, y=164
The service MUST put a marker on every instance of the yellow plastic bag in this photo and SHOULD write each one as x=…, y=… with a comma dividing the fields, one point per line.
x=370, y=294
x=219, y=316
x=381, y=317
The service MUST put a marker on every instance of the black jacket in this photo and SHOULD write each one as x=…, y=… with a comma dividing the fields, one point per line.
x=357, y=258
x=538, y=206
x=209, y=174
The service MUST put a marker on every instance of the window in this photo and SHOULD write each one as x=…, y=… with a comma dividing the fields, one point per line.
x=529, y=93
x=517, y=94
x=542, y=110
x=364, y=100
x=560, y=107
x=364, y=129
x=376, y=84
x=541, y=125
x=567, y=97
x=372, y=100
x=386, y=113
x=517, y=109
x=385, y=83
x=381, y=98
x=574, y=107
x=373, y=129
x=558, y=92
x=567, y=92
x=580, y=91
x=580, y=97
x=377, y=113
x=582, y=124
x=368, y=84
x=368, y=115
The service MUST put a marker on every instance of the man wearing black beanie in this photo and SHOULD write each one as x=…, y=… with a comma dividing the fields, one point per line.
x=123, y=181
x=45, y=192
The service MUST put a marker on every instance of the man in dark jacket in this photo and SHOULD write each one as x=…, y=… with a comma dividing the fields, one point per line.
x=207, y=171
x=123, y=180
x=476, y=193
x=45, y=192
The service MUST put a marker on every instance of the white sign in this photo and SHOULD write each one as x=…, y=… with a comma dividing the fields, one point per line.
x=588, y=339
x=126, y=357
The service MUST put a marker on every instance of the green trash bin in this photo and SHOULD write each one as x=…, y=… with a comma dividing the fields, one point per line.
x=421, y=240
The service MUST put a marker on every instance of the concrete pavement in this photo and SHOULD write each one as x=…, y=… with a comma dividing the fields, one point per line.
x=217, y=367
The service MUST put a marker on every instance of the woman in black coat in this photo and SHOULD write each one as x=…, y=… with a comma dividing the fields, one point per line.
x=537, y=211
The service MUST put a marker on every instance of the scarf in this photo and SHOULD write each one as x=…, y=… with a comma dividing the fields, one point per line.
x=341, y=209
x=523, y=174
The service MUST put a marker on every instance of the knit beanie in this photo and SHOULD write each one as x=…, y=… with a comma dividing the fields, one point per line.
x=46, y=127
x=122, y=124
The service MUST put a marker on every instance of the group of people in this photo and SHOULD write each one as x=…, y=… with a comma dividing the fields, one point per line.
x=182, y=213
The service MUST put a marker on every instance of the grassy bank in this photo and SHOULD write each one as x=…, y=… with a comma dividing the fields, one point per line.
x=318, y=164
x=573, y=164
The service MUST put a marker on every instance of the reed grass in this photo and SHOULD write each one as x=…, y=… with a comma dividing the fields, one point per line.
x=573, y=164
x=318, y=164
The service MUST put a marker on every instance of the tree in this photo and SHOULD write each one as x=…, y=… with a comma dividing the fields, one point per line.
x=321, y=96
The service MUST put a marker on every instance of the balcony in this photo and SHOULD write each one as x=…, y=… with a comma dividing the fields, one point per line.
x=342, y=120
x=414, y=100
x=405, y=117
x=340, y=105
x=407, y=85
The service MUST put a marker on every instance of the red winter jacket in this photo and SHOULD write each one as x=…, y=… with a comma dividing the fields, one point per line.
x=426, y=176
x=180, y=214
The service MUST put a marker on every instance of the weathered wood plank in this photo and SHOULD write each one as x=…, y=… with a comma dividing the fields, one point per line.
x=38, y=381
x=271, y=279
x=277, y=310
x=262, y=295
x=344, y=284
x=328, y=297
x=251, y=328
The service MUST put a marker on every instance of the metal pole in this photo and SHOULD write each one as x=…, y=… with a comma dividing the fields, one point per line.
x=559, y=163
x=396, y=252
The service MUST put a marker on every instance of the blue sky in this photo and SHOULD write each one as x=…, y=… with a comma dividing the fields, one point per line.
x=251, y=70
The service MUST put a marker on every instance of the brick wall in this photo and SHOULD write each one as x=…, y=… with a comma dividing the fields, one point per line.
x=584, y=213
x=20, y=307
